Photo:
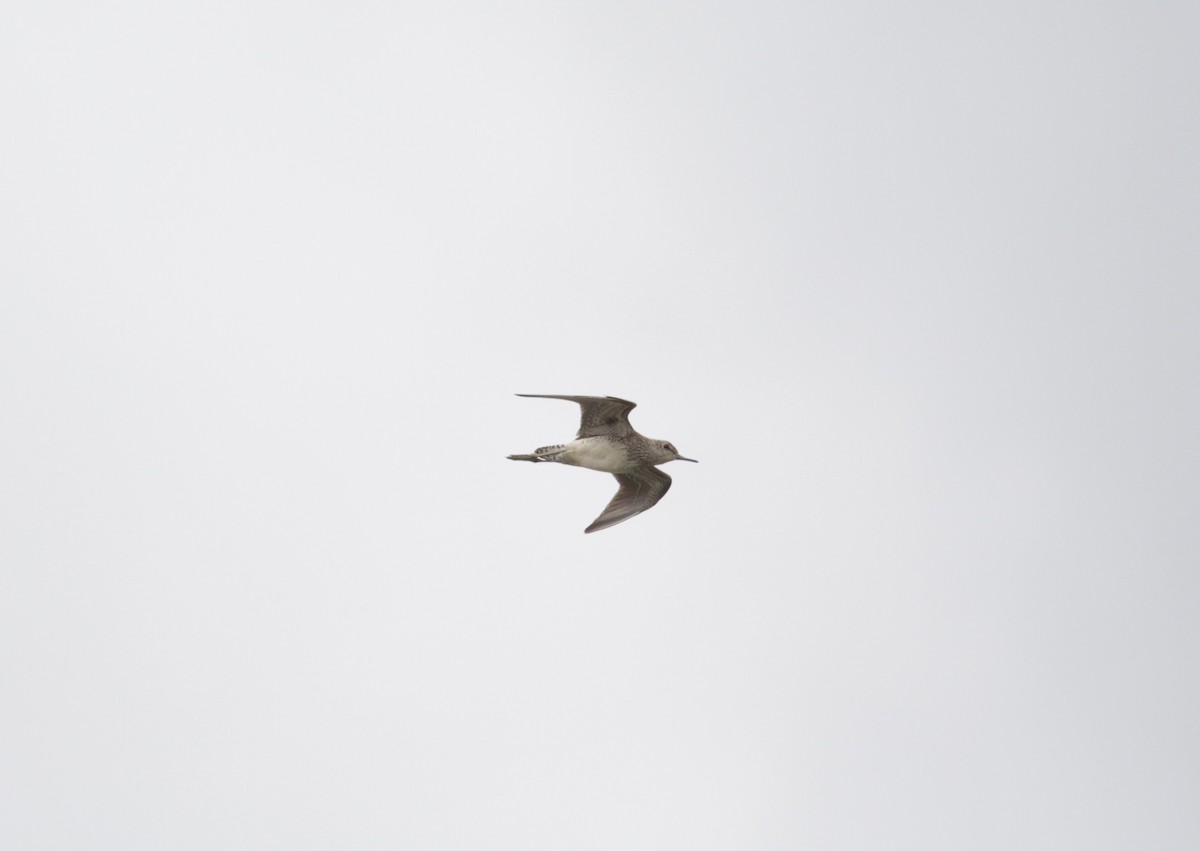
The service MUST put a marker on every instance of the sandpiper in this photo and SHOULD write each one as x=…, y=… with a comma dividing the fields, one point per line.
x=607, y=442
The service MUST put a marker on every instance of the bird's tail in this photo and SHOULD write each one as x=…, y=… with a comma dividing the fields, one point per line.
x=542, y=453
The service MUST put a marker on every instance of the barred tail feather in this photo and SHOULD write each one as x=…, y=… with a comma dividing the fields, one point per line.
x=542, y=453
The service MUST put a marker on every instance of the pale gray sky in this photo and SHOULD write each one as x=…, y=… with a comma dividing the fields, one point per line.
x=916, y=284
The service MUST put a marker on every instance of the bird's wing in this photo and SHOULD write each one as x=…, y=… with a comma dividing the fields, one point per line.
x=601, y=414
x=639, y=491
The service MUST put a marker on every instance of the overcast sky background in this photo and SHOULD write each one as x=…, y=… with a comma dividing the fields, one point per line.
x=917, y=284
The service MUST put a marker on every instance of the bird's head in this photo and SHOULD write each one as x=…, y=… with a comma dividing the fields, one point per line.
x=665, y=451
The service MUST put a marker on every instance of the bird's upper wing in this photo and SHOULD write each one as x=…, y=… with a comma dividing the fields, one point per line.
x=639, y=491
x=601, y=414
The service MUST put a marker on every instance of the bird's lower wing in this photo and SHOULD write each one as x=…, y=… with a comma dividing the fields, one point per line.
x=638, y=492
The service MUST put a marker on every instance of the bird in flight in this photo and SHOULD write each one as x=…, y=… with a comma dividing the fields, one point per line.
x=607, y=442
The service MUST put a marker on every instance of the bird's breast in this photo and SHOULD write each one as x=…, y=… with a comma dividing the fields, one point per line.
x=597, y=453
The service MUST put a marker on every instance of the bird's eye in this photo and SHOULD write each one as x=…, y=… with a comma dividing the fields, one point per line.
x=668, y=447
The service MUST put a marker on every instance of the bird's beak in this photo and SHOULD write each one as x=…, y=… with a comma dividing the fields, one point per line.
x=681, y=458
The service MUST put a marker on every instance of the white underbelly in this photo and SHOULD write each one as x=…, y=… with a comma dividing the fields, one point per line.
x=597, y=453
